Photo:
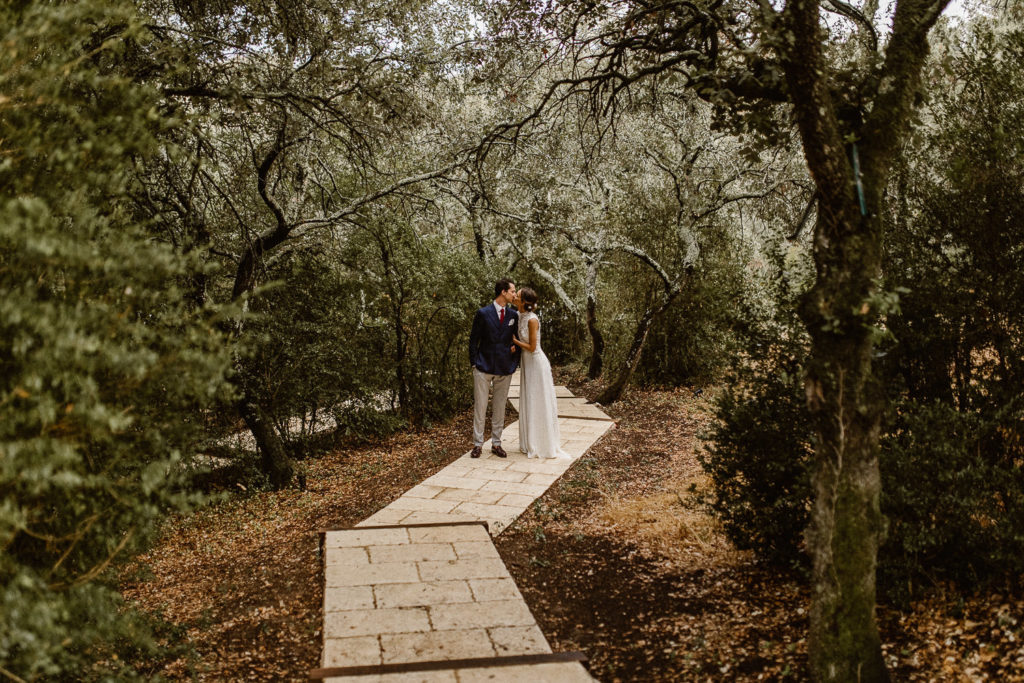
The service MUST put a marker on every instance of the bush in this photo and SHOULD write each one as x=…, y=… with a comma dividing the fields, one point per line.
x=105, y=371
x=758, y=461
x=954, y=511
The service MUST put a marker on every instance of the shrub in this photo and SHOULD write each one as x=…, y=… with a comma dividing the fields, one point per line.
x=105, y=370
x=758, y=460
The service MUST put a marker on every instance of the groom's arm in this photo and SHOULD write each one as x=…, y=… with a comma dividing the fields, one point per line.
x=474, y=340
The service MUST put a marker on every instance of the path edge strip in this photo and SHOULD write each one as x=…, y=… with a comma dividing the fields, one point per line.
x=447, y=664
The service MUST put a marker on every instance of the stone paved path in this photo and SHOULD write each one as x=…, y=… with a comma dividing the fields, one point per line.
x=418, y=592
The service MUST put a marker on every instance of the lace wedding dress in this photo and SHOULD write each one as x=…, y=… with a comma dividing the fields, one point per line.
x=538, y=408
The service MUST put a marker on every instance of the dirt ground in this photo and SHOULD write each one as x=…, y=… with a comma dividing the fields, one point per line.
x=616, y=560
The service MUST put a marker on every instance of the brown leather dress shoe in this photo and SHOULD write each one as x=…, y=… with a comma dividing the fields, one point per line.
x=475, y=453
x=498, y=450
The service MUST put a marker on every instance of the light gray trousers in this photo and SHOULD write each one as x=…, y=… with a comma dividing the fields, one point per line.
x=482, y=383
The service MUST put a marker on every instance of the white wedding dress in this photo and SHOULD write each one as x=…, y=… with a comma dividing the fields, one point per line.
x=538, y=407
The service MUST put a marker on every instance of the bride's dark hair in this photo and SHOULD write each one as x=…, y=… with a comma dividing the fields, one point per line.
x=529, y=298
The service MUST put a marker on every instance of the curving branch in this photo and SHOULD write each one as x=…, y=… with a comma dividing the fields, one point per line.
x=851, y=12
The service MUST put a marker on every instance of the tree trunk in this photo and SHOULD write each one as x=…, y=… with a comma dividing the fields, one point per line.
x=274, y=461
x=847, y=525
x=596, y=338
x=613, y=391
x=400, y=369
x=841, y=314
x=597, y=352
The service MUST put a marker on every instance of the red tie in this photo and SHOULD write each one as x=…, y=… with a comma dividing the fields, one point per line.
x=501, y=317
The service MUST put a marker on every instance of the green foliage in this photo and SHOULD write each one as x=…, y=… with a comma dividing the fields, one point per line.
x=312, y=357
x=759, y=463
x=951, y=448
x=951, y=460
x=760, y=447
x=694, y=341
x=365, y=337
x=954, y=508
x=106, y=372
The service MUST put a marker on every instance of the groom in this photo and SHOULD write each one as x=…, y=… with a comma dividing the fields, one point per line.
x=494, y=360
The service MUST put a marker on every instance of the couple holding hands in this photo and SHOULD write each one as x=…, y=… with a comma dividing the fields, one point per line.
x=505, y=335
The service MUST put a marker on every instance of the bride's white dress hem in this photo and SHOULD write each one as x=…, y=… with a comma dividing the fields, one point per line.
x=539, y=435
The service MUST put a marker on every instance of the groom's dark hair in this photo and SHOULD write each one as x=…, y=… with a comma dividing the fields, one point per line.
x=500, y=286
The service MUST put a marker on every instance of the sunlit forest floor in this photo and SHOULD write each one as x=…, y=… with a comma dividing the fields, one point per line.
x=617, y=560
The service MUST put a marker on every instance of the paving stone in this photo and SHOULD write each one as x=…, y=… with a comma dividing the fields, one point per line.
x=519, y=640
x=463, y=471
x=594, y=428
x=422, y=504
x=422, y=594
x=586, y=423
x=471, y=568
x=463, y=463
x=480, y=615
x=465, y=549
x=493, y=463
x=411, y=552
x=485, y=590
x=453, y=481
x=387, y=516
x=542, y=478
x=421, y=647
x=581, y=411
x=435, y=517
x=348, y=597
x=358, y=537
x=489, y=512
x=470, y=496
x=449, y=534
x=501, y=475
x=534, y=490
x=445, y=676
x=533, y=465
x=365, y=575
x=347, y=556
x=516, y=500
x=363, y=651
x=444, y=592
x=366, y=622
x=423, y=491
x=549, y=672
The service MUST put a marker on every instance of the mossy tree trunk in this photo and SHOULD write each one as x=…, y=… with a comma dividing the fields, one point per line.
x=842, y=313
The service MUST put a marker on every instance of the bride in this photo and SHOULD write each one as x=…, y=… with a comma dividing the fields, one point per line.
x=538, y=407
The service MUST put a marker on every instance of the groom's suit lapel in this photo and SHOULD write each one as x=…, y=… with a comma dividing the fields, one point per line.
x=492, y=315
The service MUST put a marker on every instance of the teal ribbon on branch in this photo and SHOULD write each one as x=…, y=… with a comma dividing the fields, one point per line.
x=856, y=180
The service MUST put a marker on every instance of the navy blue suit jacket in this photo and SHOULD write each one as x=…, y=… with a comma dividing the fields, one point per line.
x=490, y=343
